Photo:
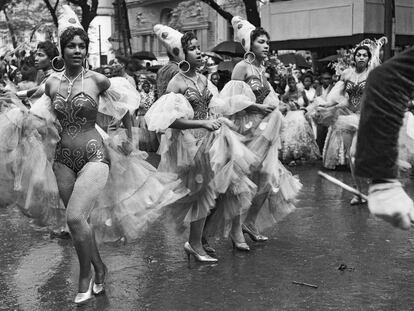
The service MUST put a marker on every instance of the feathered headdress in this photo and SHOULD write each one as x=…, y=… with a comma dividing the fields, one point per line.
x=67, y=18
x=242, y=30
x=171, y=39
x=346, y=57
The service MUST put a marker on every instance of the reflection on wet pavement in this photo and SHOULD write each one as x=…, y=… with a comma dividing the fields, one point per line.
x=309, y=246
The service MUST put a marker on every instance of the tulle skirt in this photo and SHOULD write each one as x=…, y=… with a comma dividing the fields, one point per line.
x=276, y=186
x=148, y=140
x=339, y=140
x=298, y=140
x=133, y=197
x=135, y=194
x=214, y=167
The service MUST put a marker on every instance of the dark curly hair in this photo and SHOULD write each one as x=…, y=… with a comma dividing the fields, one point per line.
x=186, y=39
x=69, y=34
x=362, y=47
x=259, y=31
x=49, y=48
x=307, y=75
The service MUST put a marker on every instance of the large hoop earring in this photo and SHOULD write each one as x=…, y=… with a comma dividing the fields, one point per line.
x=249, y=57
x=182, y=64
x=86, y=64
x=57, y=64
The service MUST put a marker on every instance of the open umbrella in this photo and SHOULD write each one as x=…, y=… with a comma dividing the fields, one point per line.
x=330, y=58
x=228, y=64
x=213, y=55
x=144, y=55
x=230, y=48
x=294, y=59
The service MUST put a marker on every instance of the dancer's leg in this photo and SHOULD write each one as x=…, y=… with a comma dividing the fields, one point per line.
x=204, y=237
x=196, y=231
x=254, y=210
x=356, y=180
x=89, y=184
x=236, y=233
x=96, y=259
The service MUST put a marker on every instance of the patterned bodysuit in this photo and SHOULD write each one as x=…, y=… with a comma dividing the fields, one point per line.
x=80, y=141
x=259, y=89
x=199, y=102
x=355, y=91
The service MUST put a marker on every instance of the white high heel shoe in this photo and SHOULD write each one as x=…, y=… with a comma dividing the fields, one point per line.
x=82, y=297
x=99, y=288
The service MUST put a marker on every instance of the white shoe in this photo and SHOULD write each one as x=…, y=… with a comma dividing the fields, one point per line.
x=82, y=297
x=390, y=202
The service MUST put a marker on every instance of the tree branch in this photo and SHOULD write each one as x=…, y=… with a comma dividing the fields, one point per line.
x=52, y=11
x=213, y=4
x=252, y=12
x=56, y=5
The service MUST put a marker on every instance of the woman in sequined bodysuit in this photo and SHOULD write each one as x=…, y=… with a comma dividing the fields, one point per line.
x=345, y=111
x=81, y=162
x=255, y=112
x=205, y=153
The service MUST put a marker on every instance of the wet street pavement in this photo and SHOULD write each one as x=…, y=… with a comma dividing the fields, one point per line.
x=321, y=235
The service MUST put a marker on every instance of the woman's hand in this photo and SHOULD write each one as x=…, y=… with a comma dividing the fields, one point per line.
x=125, y=148
x=264, y=109
x=212, y=125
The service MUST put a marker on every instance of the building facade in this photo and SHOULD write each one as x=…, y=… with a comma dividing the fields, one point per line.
x=188, y=15
x=100, y=31
x=323, y=26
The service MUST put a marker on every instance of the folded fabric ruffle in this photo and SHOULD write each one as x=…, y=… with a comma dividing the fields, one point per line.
x=134, y=195
x=120, y=98
x=166, y=110
x=28, y=181
x=298, y=140
x=234, y=97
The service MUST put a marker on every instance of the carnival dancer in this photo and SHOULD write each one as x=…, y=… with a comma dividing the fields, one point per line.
x=343, y=108
x=46, y=54
x=388, y=90
x=120, y=201
x=297, y=138
x=253, y=106
x=202, y=149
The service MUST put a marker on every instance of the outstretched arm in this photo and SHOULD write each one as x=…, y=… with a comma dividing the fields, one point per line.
x=386, y=98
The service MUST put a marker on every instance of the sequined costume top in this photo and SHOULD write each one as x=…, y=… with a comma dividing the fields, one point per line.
x=259, y=89
x=355, y=91
x=80, y=141
x=199, y=102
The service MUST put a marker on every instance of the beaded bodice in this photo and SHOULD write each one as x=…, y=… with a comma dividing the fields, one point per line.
x=355, y=92
x=76, y=115
x=199, y=102
x=80, y=141
x=259, y=89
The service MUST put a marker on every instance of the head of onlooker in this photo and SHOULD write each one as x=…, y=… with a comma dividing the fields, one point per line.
x=307, y=81
x=291, y=83
x=326, y=79
x=215, y=78
x=146, y=86
x=107, y=71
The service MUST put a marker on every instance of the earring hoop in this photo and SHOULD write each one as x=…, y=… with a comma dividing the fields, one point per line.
x=86, y=64
x=59, y=60
x=249, y=57
x=184, y=63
